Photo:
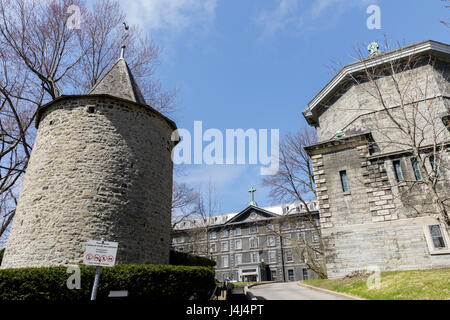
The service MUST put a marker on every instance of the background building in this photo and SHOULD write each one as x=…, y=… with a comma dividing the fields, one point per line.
x=255, y=244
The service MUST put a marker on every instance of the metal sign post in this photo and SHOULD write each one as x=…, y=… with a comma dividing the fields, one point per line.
x=99, y=254
x=96, y=281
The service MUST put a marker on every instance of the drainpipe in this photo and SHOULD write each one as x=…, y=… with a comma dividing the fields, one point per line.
x=282, y=259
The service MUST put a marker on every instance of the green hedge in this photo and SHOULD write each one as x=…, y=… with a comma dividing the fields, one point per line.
x=187, y=259
x=149, y=282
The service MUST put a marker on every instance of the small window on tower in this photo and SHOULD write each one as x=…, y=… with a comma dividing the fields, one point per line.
x=91, y=109
x=398, y=171
x=417, y=172
x=344, y=181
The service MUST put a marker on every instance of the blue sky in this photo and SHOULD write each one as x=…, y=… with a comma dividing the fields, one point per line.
x=257, y=63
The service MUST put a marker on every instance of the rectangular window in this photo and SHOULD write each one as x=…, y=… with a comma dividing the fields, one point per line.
x=273, y=274
x=213, y=235
x=305, y=274
x=253, y=229
x=416, y=169
x=253, y=242
x=254, y=257
x=289, y=256
x=272, y=256
x=287, y=239
x=237, y=231
x=437, y=237
x=270, y=226
x=225, y=246
x=398, y=171
x=238, y=259
x=315, y=236
x=238, y=244
x=344, y=181
x=225, y=262
x=291, y=275
x=224, y=233
x=270, y=241
x=436, y=170
x=285, y=225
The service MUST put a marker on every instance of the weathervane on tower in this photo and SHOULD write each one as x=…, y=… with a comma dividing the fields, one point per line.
x=124, y=37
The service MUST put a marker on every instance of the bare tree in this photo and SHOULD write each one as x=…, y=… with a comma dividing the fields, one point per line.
x=411, y=118
x=294, y=182
x=184, y=203
x=444, y=22
x=207, y=207
x=43, y=56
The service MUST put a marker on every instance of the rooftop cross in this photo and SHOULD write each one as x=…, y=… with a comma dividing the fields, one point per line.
x=252, y=191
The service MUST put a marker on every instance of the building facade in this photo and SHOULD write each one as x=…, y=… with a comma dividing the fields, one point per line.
x=376, y=209
x=255, y=244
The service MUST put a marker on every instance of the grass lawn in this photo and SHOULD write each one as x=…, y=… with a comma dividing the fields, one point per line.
x=395, y=285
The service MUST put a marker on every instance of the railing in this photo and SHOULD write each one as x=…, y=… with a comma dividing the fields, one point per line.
x=214, y=292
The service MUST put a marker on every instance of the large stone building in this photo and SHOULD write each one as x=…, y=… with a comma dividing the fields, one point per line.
x=255, y=244
x=100, y=167
x=376, y=209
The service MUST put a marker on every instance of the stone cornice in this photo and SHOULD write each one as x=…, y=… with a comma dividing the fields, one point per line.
x=41, y=109
x=361, y=137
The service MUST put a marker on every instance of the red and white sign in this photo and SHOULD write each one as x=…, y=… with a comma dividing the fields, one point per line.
x=100, y=254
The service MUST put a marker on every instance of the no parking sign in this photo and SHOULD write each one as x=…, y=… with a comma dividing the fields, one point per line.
x=100, y=254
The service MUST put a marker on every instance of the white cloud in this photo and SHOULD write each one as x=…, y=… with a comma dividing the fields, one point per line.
x=218, y=174
x=319, y=6
x=293, y=15
x=284, y=16
x=170, y=16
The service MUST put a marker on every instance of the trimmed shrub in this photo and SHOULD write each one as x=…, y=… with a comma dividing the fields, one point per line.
x=143, y=282
x=187, y=259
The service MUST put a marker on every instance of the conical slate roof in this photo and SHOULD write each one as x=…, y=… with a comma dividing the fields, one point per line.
x=119, y=82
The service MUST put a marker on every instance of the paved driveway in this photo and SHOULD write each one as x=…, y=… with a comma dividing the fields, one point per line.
x=290, y=291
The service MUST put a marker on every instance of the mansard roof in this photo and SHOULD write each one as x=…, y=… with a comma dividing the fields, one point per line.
x=312, y=112
x=242, y=217
x=118, y=81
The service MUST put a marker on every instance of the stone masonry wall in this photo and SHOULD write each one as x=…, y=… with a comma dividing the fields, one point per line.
x=99, y=168
x=374, y=223
x=384, y=246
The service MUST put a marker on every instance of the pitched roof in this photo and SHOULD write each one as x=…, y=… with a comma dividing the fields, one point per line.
x=119, y=82
x=263, y=212
x=313, y=109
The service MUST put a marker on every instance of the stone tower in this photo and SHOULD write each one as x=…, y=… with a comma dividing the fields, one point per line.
x=100, y=167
